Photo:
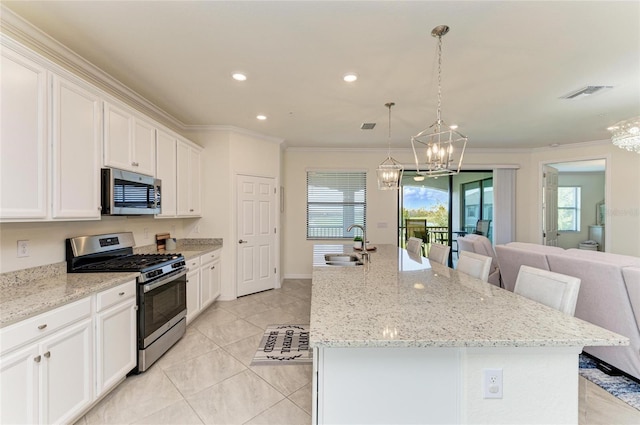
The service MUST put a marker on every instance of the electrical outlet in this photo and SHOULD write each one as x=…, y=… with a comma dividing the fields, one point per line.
x=492, y=383
x=23, y=248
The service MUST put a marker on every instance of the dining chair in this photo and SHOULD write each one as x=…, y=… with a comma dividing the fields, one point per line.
x=554, y=290
x=482, y=227
x=475, y=265
x=414, y=245
x=439, y=253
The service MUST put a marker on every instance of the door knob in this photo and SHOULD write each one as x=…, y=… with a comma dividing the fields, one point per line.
x=241, y=241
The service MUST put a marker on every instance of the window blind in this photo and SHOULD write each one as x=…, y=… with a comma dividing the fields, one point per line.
x=335, y=201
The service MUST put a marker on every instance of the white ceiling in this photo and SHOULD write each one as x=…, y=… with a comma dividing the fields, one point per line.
x=505, y=65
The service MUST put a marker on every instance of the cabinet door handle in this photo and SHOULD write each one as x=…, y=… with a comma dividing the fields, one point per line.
x=213, y=267
x=135, y=164
x=37, y=358
x=121, y=293
x=191, y=210
x=47, y=354
x=41, y=327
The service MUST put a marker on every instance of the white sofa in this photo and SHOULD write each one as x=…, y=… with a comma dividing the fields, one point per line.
x=481, y=245
x=609, y=292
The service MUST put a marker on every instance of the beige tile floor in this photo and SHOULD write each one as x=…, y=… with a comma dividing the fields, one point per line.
x=206, y=378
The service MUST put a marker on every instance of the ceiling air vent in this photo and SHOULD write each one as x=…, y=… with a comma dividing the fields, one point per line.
x=584, y=91
x=367, y=126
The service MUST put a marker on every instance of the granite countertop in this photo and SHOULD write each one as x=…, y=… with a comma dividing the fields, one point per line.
x=399, y=300
x=26, y=299
x=27, y=293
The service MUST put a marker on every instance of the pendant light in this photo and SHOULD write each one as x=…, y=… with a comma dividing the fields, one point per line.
x=439, y=149
x=389, y=171
x=626, y=134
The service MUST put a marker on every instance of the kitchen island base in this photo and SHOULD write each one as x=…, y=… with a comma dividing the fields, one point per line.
x=437, y=385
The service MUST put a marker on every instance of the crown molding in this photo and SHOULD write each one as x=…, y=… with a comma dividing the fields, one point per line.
x=23, y=32
x=231, y=129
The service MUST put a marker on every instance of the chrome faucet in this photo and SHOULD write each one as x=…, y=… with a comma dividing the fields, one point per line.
x=365, y=254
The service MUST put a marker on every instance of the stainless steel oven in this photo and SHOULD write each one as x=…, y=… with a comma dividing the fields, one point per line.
x=161, y=287
x=162, y=311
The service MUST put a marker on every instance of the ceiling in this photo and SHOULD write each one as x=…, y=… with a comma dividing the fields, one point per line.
x=505, y=65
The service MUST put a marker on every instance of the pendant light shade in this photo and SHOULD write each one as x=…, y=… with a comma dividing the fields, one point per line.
x=389, y=171
x=439, y=149
x=626, y=134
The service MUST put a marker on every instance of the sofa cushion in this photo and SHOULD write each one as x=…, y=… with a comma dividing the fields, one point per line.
x=632, y=281
x=617, y=259
x=515, y=254
x=604, y=301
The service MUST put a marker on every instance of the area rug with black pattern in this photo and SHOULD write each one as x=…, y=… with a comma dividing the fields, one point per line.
x=284, y=344
x=620, y=386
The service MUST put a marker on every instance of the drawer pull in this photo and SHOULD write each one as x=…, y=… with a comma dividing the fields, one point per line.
x=213, y=267
x=121, y=293
x=37, y=358
x=47, y=354
x=41, y=327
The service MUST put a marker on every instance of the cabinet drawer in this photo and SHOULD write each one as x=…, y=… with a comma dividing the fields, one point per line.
x=44, y=324
x=211, y=256
x=193, y=264
x=106, y=299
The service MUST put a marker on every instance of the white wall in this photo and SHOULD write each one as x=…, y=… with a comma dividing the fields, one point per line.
x=228, y=152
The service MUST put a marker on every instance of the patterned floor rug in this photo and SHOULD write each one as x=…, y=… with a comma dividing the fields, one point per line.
x=284, y=344
x=621, y=387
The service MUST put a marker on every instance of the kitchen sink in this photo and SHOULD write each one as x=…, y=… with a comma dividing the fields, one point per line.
x=342, y=260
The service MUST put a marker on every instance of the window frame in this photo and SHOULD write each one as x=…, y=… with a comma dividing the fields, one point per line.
x=576, y=208
x=353, y=181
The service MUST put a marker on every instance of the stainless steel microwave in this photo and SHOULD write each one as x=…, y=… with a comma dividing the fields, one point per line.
x=127, y=193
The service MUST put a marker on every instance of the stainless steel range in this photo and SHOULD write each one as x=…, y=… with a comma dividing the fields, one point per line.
x=161, y=293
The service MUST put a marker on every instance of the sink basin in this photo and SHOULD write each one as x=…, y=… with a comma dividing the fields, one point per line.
x=343, y=260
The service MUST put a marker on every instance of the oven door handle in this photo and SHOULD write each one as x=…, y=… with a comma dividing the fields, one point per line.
x=162, y=281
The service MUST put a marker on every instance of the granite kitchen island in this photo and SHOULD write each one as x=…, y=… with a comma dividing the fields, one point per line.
x=399, y=340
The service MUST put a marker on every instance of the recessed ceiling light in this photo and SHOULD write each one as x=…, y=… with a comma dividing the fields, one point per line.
x=350, y=77
x=238, y=76
x=261, y=117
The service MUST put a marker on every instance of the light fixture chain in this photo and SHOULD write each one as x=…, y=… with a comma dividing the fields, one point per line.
x=439, y=82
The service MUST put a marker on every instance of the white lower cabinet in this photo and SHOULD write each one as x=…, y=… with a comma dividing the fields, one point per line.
x=203, y=282
x=209, y=278
x=54, y=366
x=193, y=289
x=115, y=335
x=49, y=379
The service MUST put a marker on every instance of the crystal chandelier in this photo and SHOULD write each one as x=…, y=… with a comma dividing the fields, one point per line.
x=389, y=171
x=441, y=147
x=626, y=134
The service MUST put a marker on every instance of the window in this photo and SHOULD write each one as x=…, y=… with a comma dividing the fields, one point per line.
x=569, y=209
x=335, y=201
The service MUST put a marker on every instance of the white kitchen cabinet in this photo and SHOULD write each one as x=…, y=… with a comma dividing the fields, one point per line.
x=23, y=137
x=189, y=179
x=166, y=171
x=46, y=369
x=210, y=275
x=193, y=289
x=129, y=141
x=115, y=335
x=76, y=144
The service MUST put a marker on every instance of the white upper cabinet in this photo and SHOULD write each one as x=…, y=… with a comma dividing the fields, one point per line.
x=23, y=138
x=129, y=141
x=76, y=143
x=189, y=175
x=166, y=171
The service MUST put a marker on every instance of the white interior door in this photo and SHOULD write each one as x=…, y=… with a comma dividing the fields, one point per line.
x=550, y=206
x=256, y=234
